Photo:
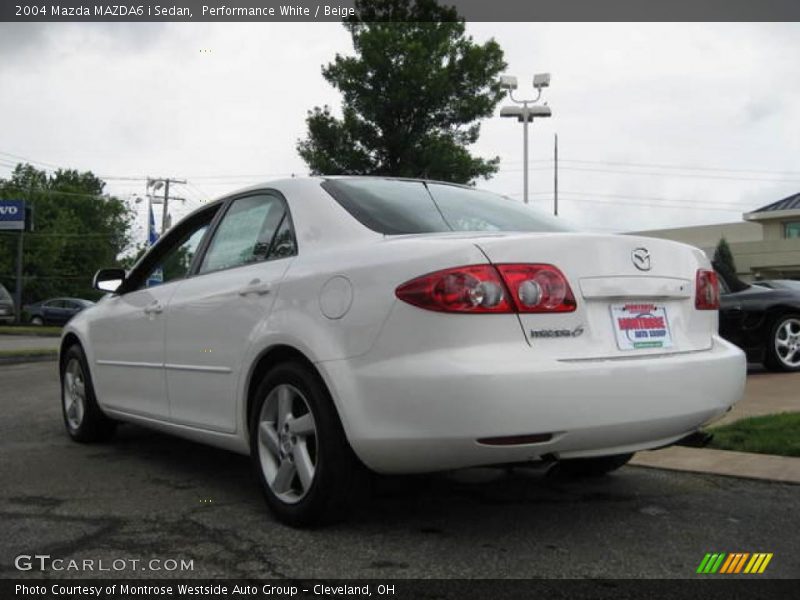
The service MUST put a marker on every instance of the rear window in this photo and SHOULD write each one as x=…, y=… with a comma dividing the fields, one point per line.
x=4, y=295
x=396, y=207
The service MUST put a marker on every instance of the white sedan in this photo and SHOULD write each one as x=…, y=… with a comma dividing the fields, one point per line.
x=326, y=324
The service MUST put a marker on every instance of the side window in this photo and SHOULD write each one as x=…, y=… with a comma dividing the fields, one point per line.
x=245, y=234
x=172, y=258
x=177, y=261
x=284, y=244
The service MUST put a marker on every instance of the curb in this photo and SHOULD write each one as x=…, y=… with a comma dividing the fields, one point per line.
x=27, y=358
x=728, y=463
x=43, y=334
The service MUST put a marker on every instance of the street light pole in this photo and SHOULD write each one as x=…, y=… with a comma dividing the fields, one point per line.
x=525, y=114
x=525, y=154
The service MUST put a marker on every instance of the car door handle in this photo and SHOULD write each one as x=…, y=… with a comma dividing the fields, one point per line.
x=256, y=286
x=154, y=309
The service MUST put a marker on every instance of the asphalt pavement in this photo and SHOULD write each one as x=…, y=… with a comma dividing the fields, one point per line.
x=146, y=495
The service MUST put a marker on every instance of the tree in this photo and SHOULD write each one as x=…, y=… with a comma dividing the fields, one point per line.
x=411, y=97
x=723, y=259
x=78, y=230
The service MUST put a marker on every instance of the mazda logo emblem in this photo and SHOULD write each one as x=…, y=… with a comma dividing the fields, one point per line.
x=641, y=259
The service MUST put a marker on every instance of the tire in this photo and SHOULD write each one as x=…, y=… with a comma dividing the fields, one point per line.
x=308, y=472
x=783, y=344
x=83, y=418
x=591, y=467
x=37, y=321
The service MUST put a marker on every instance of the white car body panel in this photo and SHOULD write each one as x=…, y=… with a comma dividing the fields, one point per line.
x=416, y=389
x=209, y=325
x=128, y=342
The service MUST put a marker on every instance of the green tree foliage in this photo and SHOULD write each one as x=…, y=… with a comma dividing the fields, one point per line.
x=723, y=261
x=411, y=97
x=78, y=230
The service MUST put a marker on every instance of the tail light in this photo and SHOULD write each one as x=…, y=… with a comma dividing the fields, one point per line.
x=476, y=289
x=489, y=289
x=538, y=288
x=706, y=290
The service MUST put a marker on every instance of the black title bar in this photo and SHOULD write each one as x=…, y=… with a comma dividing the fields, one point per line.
x=336, y=10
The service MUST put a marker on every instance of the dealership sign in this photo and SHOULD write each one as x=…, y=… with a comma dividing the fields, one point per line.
x=12, y=214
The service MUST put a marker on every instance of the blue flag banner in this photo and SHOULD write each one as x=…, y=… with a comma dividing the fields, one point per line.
x=157, y=276
x=152, y=234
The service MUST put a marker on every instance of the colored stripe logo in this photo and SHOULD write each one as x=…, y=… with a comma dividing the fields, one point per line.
x=734, y=562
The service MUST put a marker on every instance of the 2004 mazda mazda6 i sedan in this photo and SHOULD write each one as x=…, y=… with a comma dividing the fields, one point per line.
x=325, y=324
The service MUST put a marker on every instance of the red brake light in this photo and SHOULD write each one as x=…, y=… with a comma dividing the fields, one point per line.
x=706, y=290
x=489, y=289
x=538, y=288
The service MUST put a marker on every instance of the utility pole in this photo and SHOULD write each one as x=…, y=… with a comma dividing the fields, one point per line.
x=156, y=184
x=555, y=176
x=20, y=256
x=18, y=290
x=165, y=213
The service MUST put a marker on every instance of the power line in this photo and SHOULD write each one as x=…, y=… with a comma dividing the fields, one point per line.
x=51, y=166
x=29, y=160
x=657, y=174
x=687, y=203
x=667, y=166
x=62, y=192
x=685, y=168
x=87, y=278
x=36, y=234
x=573, y=198
x=685, y=175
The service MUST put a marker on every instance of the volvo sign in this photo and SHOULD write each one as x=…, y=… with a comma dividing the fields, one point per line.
x=12, y=215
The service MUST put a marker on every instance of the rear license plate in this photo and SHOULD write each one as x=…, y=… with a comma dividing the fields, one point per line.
x=641, y=325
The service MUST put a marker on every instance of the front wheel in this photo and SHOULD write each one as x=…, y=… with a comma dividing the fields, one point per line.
x=307, y=469
x=591, y=467
x=37, y=321
x=84, y=420
x=783, y=344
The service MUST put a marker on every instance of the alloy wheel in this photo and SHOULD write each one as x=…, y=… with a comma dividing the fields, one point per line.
x=287, y=443
x=787, y=342
x=74, y=394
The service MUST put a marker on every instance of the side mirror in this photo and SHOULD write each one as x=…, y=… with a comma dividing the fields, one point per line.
x=108, y=280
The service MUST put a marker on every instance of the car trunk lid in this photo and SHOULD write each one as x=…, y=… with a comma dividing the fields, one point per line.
x=635, y=295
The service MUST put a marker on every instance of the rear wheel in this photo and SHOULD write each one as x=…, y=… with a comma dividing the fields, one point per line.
x=84, y=420
x=783, y=344
x=307, y=469
x=591, y=467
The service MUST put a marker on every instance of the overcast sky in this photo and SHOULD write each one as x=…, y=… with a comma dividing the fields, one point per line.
x=659, y=125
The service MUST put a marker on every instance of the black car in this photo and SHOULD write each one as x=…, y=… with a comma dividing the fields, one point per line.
x=56, y=311
x=780, y=284
x=762, y=321
x=6, y=306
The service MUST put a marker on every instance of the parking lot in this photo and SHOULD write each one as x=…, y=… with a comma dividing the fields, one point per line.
x=146, y=495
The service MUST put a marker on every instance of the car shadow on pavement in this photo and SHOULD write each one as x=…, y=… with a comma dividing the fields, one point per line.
x=169, y=464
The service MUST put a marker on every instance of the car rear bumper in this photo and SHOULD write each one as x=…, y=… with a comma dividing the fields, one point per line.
x=427, y=411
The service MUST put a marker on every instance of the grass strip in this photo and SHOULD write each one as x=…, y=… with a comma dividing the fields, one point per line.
x=777, y=434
